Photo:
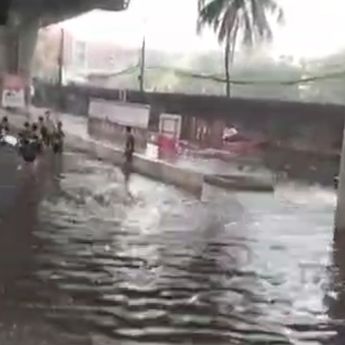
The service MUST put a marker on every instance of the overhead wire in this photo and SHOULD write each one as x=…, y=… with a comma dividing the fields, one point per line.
x=217, y=78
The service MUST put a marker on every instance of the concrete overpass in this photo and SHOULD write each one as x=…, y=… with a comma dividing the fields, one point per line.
x=21, y=20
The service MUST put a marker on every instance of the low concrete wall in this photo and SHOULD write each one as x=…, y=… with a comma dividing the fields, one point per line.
x=188, y=180
x=167, y=173
x=299, y=126
x=112, y=133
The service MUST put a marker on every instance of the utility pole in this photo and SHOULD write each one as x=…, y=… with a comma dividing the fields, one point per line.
x=61, y=58
x=61, y=65
x=13, y=51
x=142, y=66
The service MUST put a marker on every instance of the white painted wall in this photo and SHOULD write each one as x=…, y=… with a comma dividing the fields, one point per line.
x=123, y=114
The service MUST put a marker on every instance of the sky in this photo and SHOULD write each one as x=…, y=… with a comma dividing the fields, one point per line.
x=313, y=28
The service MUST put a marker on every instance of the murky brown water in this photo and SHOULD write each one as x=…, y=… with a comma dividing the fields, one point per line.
x=83, y=263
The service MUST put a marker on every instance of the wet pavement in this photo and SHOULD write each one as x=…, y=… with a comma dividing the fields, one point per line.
x=83, y=262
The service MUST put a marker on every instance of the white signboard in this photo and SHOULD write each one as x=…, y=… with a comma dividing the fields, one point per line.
x=123, y=114
x=170, y=125
x=13, y=94
x=13, y=98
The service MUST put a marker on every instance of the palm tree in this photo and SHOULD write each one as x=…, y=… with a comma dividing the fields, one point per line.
x=228, y=18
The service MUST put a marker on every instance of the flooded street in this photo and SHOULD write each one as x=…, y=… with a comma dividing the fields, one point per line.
x=84, y=263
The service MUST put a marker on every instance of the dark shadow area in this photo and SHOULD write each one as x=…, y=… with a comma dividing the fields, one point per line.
x=336, y=299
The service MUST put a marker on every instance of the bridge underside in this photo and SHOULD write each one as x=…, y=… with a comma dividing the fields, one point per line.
x=58, y=10
x=25, y=17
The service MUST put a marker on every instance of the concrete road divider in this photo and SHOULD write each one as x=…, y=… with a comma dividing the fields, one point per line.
x=156, y=169
x=241, y=183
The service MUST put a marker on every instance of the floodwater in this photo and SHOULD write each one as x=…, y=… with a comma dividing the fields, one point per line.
x=82, y=262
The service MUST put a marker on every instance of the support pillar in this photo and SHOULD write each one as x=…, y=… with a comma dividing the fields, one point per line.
x=17, y=46
x=4, y=52
x=340, y=211
x=27, y=39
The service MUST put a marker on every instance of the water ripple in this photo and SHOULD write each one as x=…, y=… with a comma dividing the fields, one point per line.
x=164, y=268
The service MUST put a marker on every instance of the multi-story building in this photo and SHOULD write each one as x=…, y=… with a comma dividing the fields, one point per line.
x=80, y=58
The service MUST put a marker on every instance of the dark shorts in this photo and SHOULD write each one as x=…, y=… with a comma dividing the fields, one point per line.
x=127, y=166
x=29, y=152
x=46, y=139
x=57, y=144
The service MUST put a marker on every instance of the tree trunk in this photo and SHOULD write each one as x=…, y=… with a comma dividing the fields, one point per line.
x=227, y=64
x=233, y=43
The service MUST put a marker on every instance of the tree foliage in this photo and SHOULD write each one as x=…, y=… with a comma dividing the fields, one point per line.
x=249, y=19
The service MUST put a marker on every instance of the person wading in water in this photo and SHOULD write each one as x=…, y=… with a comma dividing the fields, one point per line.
x=43, y=131
x=35, y=136
x=58, y=139
x=25, y=133
x=4, y=125
x=49, y=123
x=128, y=154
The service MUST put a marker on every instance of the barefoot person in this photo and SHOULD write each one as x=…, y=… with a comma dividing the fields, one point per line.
x=4, y=125
x=128, y=154
x=49, y=123
x=28, y=148
x=25, y=133
x=58, y=138
x=36, y=138
x=43, y=131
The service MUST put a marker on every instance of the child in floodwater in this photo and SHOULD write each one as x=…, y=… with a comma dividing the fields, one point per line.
x=58, y=138
x=4, y=125
x=29, y=142
x=34, y=132
x=50, y=125
x=35, y=136
x=25, y=133
x=43, y=131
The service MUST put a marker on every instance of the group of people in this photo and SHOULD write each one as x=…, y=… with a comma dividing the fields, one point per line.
x=45, y=132
x=34, y=137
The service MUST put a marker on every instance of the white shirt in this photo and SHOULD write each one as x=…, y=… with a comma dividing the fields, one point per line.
x=50, y=125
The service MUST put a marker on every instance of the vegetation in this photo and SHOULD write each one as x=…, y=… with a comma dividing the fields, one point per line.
x=231, y=19
x=254, y=75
